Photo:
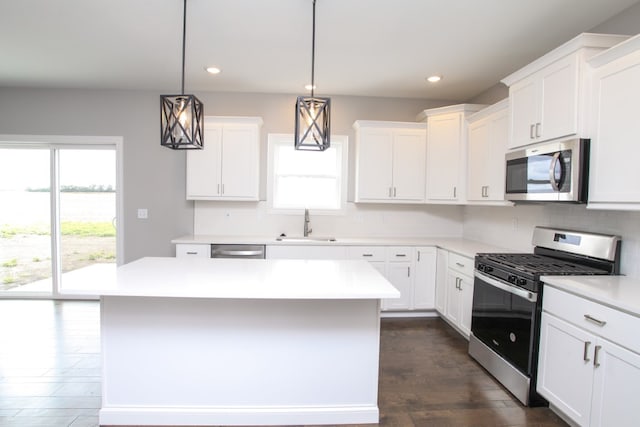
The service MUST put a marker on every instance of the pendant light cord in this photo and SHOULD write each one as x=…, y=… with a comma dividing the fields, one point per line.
x=313, y=49
x=184, y=32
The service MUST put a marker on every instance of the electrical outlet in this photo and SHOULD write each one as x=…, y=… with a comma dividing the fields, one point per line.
x=143, y=213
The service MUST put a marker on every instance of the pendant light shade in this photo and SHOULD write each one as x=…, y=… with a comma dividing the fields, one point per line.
x=181, y=116
x=313, y=114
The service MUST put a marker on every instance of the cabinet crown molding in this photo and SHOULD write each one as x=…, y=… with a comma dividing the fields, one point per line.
x=581, y=41
x=458, y=108
x=618, y=51
x=388, y=124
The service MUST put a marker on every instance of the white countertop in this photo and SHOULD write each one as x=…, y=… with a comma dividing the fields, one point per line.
x=619, y=292
x=237, y=278
x=464, y=247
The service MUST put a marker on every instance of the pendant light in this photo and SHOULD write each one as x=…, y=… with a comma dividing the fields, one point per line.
x=181, y=116
x=312, y=129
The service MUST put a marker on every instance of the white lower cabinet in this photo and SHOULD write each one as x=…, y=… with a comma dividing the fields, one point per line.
x=582, y=372
x=454, y=290
x=424, y=280
x=193, y=250
x=305, y=252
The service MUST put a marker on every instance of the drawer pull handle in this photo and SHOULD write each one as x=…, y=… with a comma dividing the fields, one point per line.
x=401, y=255
x=595, y=356
x=460, y=265
x=586, y=350
x=367, y=255
x=192, y=253
x=594, y=320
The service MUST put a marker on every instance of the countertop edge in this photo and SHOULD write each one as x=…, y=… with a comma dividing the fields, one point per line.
x=464, y=247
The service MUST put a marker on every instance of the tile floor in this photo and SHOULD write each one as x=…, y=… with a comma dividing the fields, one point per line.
x=50, y=372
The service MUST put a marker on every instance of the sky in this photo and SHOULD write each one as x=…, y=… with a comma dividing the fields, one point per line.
x=30, y=168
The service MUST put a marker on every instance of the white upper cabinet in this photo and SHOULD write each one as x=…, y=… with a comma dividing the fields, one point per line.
x=390, y=161
x=488, y=134
x=615, y=89
x=547, y=98
x=228, y=167
x=447, y=152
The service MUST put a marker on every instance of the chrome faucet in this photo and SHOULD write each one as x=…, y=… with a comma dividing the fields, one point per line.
x=307, y=230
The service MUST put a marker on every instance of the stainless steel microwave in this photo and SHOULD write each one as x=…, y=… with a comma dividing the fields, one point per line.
x=552, y=172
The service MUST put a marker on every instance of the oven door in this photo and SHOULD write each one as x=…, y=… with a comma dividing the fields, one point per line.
x=504, y=319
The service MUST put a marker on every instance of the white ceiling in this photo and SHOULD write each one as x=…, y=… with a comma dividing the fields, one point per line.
x=364, y=47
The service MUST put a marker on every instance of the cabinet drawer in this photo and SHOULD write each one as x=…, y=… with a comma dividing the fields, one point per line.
x=400, y=253
x=618, y=327
x=193, y=250
x=461, y=263
x=367, y=253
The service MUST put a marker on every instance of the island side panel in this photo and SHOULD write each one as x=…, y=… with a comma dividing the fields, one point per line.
x=189, y=361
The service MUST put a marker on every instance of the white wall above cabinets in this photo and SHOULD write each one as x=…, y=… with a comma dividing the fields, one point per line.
x=488, y=135
x=446, y=174
x=228, y=167
x=390, y=162
x=547, y=98
x=615, y=128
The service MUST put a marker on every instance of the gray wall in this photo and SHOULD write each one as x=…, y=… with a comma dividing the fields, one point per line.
x=154, y=177
x=626, y=22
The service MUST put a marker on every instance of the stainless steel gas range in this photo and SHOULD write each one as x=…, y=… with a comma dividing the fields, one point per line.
x=507, y=301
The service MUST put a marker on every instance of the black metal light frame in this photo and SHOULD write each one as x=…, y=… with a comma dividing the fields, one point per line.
x=182, y=116
x=313, y=114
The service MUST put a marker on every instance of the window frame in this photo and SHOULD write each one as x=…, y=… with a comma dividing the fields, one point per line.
x=279, y=139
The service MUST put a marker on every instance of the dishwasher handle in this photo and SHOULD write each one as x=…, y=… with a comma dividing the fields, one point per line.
x=238, y=251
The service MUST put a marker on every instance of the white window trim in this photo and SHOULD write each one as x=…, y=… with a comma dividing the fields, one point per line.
x=280, y=138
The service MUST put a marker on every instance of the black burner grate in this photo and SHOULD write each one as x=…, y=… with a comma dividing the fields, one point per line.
x=540, y=265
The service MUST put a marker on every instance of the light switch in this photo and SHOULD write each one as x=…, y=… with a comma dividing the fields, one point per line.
x=143, y=214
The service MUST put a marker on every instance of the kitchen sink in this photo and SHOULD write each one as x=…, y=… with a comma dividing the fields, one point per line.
x=305, y=239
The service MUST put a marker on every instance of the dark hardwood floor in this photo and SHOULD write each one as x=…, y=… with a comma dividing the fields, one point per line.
x=50, y=372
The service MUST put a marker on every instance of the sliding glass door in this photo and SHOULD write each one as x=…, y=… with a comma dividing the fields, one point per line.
x=58, y=216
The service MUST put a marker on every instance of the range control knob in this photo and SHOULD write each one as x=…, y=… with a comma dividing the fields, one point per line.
x=481, y=267
x=488, y=268
x=512, y=278
x=522, y=282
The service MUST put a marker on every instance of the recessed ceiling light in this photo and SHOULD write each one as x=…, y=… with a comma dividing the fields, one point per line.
x=309, y=87
x=434, y=79
x=213, y=70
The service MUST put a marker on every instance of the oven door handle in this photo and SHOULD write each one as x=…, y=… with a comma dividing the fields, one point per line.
x=523, y=293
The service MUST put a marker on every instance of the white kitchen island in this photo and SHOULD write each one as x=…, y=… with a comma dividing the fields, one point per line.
x=238, y=342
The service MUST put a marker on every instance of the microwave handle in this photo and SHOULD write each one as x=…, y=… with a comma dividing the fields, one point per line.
x=552, y=169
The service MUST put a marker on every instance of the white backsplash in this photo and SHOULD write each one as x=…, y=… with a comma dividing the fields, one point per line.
x=512, y=227
x=360, y=220
x=508, y=227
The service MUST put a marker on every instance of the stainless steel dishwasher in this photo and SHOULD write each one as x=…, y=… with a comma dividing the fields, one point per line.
x=238, y=251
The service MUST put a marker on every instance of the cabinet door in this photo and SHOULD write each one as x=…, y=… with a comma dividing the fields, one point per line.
x=424, y=280
x=203, y=166
x=452, y=310
x=565, y=367
x=559, y=88
x=616, y=386
x=443, y=156
x=240, y=162
x=524, y=111
x=478, y=160
x=614, y=172
x=399, y=274
x=375, y=151
x=466, y=301
x=409, y=164
x=495, y=162
x=442, y=262
x=306, y=252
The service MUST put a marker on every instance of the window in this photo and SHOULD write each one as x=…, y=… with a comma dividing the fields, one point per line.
x=307, y=179
x=60, y=202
